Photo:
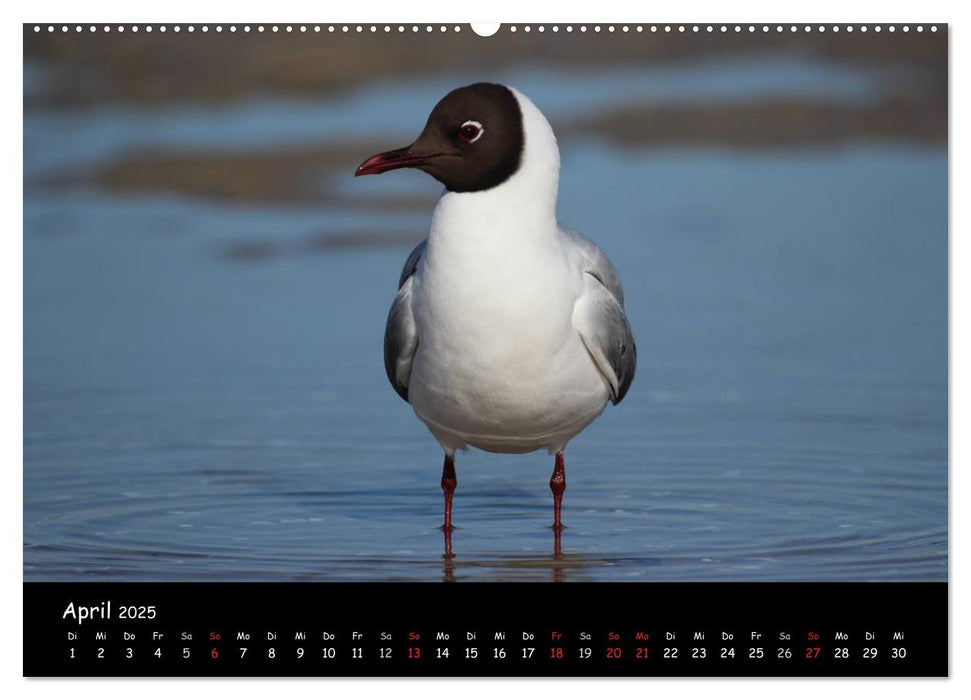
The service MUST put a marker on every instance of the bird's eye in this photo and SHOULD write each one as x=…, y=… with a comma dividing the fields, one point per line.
x=471, y=131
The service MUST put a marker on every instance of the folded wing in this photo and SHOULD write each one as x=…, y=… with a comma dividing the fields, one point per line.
x=400, y=332
x=599, y=317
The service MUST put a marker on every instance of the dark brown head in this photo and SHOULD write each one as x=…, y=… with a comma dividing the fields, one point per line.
x=473, y=141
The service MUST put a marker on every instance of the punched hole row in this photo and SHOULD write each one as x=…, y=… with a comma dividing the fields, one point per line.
x=414, y=28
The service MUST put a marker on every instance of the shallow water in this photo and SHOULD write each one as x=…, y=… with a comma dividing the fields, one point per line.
x=193, y=417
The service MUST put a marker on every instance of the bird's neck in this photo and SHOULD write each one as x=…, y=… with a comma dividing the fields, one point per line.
x=522, y=207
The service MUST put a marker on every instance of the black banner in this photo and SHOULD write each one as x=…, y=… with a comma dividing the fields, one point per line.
x=494, y=629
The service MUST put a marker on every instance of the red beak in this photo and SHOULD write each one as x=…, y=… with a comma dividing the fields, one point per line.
x=391, y=160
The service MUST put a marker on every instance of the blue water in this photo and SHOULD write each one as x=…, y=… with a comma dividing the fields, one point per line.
x=188, y=416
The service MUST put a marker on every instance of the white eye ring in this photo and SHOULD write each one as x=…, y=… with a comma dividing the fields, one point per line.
x=477, y=125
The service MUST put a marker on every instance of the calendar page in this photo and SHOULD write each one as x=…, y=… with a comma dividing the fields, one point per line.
x=431, y=350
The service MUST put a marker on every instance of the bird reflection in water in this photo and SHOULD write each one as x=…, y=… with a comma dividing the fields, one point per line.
x=557, y=562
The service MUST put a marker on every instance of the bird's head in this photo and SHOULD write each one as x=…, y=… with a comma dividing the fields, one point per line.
x=474, y=140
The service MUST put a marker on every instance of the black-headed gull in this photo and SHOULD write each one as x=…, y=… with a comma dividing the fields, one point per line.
x=508, y=331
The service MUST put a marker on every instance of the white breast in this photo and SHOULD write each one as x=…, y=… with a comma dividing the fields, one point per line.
x=499, y=363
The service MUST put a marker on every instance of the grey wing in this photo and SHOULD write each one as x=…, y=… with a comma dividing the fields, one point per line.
x=400, y=332
x=595, y=262
x=600, y=319
x=411, y=263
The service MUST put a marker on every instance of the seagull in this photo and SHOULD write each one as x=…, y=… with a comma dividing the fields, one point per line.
x=508, y=331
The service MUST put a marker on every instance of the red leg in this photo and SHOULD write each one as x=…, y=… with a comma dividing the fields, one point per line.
x=448, y=486
x=558, y=486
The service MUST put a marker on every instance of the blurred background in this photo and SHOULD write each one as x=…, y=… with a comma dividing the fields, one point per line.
x=206, y=285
